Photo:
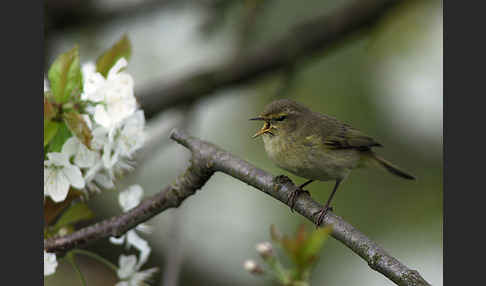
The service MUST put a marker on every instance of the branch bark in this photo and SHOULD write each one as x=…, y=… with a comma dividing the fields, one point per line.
x=208, y=158
x=305, y=40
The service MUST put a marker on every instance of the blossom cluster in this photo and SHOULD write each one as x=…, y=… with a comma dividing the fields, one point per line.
x=116, y=126
x=103, y=128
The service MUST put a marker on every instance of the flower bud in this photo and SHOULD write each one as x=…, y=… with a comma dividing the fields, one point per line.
x=264, y=249
x=252, y=267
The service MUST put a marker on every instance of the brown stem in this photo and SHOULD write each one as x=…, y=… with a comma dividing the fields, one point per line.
x=208, y=158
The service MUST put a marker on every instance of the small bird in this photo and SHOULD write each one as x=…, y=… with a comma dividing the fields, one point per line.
x=316, y=146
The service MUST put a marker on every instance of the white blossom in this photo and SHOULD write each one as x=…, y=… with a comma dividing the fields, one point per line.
x=252, y=267
x=83, y=157
x=59, y=175
x=110, y=157
x=101, y=172
x=104, y=180
x=119, y=144
x=264, y=249
x=129, y=273
x=92, y=82
x=114, y=94
x=117, y=129
x=131, y=238
x=100, y=138
x=113, y=161
x=129, y=199
x=131, y=136
x=50, y=263
x=98, y=176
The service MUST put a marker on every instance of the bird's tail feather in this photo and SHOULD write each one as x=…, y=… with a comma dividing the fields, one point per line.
x=384, y=164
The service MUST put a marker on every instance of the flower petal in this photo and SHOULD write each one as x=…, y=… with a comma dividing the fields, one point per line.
x=109, y=159
x=50, y=263
x=92, y=172
x=127, y=266
x=85, y=158
x=117, y=240
x=57, y=159
x=92, y=82
x=101, y=117
x=130, y=198
x=74, y=176
x=100, y=137
x=140, y=244
x=132, y=136
x=56, y=184
x=143, y=276
x=145, y=228
x=104, y=180
x=119, y=98
x=121, y=63
x=70, y=147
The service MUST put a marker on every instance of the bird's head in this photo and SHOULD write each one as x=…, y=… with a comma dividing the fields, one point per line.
x=281, y=117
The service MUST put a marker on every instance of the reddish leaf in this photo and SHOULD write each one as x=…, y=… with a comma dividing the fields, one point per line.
x=108, y=59
x=49, y=110
x=78, y=127
x=52, y=209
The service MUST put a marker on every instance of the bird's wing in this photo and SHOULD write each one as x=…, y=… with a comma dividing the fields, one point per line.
x=343, y=136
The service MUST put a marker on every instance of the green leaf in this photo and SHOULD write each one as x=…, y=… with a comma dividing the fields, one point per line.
x=302, y=249
x=107, y=60
x=78, y=127
x=65, y=76
x=62, y=135
x=313, y=243
x=75, y=213
x=50, y=130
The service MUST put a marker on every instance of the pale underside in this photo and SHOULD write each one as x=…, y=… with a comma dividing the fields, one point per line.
x=310, y=160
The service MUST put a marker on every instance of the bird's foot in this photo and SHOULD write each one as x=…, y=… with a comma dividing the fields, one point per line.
x=321, y=214
x=282, y=179
x=293, y=197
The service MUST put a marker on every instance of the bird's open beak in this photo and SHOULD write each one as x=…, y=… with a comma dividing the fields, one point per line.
x=266, y=128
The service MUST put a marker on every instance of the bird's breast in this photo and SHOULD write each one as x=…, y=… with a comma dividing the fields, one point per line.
x=308, y=160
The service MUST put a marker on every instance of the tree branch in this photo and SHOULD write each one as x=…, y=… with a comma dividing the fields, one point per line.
x=63, y=15
x=208, y=158
x=315, y=36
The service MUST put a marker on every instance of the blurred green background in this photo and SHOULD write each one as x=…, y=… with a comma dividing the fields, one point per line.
x=386, y=81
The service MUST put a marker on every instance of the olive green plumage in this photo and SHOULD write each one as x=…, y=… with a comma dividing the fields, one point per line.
x=317, y=146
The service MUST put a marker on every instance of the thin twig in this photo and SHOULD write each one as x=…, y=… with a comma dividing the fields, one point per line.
x=208, y=158
x=303, y=41
x=97, y=257
x=70, y=259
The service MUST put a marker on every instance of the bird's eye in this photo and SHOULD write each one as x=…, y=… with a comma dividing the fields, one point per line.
x=280, y=118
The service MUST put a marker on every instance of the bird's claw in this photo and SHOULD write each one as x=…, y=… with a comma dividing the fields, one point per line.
x=322, y=213
x=293, y=197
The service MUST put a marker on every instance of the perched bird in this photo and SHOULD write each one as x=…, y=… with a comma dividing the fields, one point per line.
x=316, y=146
